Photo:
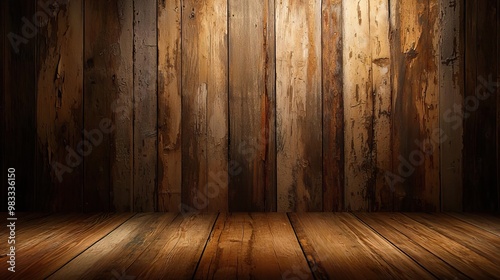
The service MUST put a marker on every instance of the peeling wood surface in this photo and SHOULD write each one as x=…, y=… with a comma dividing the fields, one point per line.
x=298, y=106
x=169, y=105
x=251, y=106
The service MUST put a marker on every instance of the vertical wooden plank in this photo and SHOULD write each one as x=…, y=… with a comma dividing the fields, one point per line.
x=145, y=105
x=4, y=44
x=333, y=108
x=416, y=135
x=204, y=105
x=20, y=102
x=358, y=106
x=498, y=107
x=59, y=107
x=169, y=105
x=251, y=99
x=451, y=96
x=382, y=195
x=298, y=103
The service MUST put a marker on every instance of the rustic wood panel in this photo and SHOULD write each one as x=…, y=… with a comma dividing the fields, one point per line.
x=3, y=90
x=169, y=105
x=415, y=105
x=255, y=246
x=298, y=106
x=333, y=108
x=451, y=85
x=20, y=102
x=381, y=197
x=498, y=107
x=145, y=106
x=348, y=249
x=358, y=106
x=432, y=263
x=485, y=222
x=251, y=106
x=204, y=105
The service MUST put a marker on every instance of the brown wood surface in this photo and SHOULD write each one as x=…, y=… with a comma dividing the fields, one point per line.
x=484, y=221
x=251, y=106
x=145, y=106
x=333, y=109
x=348, y=249
x=298, y=106
x=169, y=106
x=255, y=246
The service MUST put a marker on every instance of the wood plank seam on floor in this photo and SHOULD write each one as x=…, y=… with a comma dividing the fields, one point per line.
x=473, y=224
x=206, y=243
x=86, y=249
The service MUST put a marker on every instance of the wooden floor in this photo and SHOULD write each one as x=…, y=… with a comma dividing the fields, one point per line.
x=255, y=246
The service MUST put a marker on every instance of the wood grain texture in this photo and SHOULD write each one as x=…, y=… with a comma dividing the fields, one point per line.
x=298, y=106
x=416, y=137
x=253, y=246
x=486, y=222
x=169, y=105
x=145, y=106
x=3, y=90
x=61, y=242
x=381, y=197
x=333, y=108
x=413, y=249
x=251, y=106
x=451, y=87
x=348, y=249
x=358, y=106
x=204, y=105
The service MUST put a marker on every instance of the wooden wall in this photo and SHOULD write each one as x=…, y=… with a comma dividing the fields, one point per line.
x=225, y=105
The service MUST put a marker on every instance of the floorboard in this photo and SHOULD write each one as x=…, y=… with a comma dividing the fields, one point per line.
x=484, y=221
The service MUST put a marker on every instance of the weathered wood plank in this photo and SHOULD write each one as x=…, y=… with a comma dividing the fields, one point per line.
x=61, y=243
x=117, y=251
x=426, y=259
x=358, y=106
x=416, y=135
x=251, y=105
x=381, y=195
x=451, y=87
x=348, y=249
x=484, y=221
x=333, y=108
x=145, y=106
x=175, y=253
x=169, y=105
x=3, y=90
x=255, y=246
x=298, y=105
x=204, y=105
x=498, y=106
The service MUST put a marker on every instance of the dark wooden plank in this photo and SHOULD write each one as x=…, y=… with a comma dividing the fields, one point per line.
x=169, y=105
x=448, y=250
x=118, y=250
x=333, y=109
x=20, y=103
x=61, y=243
x=145, y=105
x=413, y=249
x=60, y=109
x=415, y=179
x=255, y=246
x=251, y=105
x=204, y=105
x=348, y=249
x=298, y=105
x=3, y=46
x=175, y=253
x=484, y=221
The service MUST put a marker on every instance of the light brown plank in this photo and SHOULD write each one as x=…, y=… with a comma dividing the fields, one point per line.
x=485, y=221
x=169, y=105
x=118, y=250
x=451, y=87
x=60, y=241
x=333, y=109
x=256, y=246
x=204, y=105
x=298, y=105
x=413, y=249
x=251, y=105
x=381, y=195
x=348, y=249
x=145, y=105
x=450, y=251
x=175, y=252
